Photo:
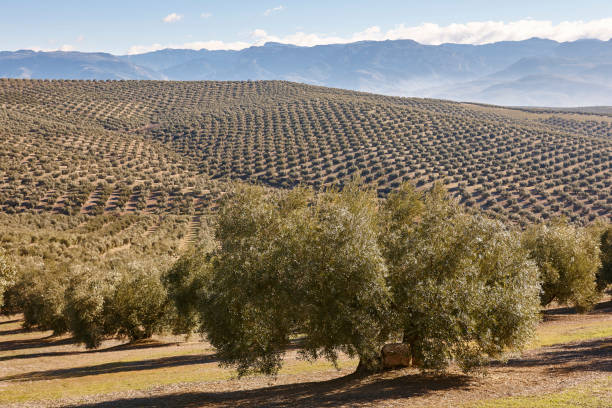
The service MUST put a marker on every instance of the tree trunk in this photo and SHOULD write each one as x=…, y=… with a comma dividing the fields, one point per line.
x=371, y=366
x=415, y=357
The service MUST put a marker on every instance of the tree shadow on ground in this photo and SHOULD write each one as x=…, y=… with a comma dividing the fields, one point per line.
x=115, y=367
x=592, y=355
x=121, y=347
x=50, y=341
x=13, y=331
x=350, y=390
x=600, y=308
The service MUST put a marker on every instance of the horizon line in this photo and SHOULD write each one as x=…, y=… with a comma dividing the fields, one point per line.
x=287, y=44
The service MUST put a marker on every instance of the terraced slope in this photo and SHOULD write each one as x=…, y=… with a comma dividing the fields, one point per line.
x=168, y=147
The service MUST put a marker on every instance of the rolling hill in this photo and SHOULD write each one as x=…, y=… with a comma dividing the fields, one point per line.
x=85, y=148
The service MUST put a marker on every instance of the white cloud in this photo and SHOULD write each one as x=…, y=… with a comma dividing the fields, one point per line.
x=493, y=31
x=261, y=37
x=468, y=33
x=206, y=15
x=172, y=18
x=193, y=45
x=276, y=9
x=141, y=49
x=65, y=47
x=478, y=32
x=80, y=38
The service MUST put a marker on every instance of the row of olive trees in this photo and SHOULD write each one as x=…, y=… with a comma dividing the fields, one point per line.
x=8, y=276
x=331, y=272
x=125, y=299
x=340, y=272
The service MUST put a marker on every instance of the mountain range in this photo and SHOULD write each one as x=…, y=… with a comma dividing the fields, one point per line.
x=534, y=72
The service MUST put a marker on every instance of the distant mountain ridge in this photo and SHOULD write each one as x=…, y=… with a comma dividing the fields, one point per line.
x=531, y=72
x=70, y=65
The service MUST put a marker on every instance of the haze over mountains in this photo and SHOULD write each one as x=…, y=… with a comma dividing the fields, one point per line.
x=533, y=72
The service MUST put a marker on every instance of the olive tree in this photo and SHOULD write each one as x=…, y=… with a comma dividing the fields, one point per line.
x=568, y=259
x=8, y=276
x=40, y=291
x=346, y=297
x=138, y=306
x=88, y=300
x=604, y=276
x=124, y=298
x=294, y=265
x=337, y=272
x=184, y=282
x=462, y=286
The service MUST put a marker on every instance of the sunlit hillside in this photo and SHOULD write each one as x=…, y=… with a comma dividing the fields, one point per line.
x=94, y=147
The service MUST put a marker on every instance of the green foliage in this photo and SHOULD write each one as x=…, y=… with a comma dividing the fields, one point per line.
x=295, y=264
x=342, y=274
x=40, y=293
x=604, y=276
x=94, y=302
x=462, y=287
x=568, y=258
x=183, y=282
x=8, y=276
x=88, y=299
x=346, y=299
x=138, y=305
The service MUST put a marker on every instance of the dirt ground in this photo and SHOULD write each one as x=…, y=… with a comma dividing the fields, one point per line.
x=572, y=352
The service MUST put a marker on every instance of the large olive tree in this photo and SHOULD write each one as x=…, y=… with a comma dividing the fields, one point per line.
x=296, y=265
x=336, y=272
x=462, y=286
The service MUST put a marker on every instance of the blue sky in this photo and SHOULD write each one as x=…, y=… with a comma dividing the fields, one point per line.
x=131, y=26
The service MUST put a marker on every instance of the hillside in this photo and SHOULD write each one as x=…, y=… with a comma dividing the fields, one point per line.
x=535, y=72
x=146, y=147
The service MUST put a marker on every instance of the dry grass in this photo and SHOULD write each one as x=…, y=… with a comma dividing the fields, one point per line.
x=593, y=394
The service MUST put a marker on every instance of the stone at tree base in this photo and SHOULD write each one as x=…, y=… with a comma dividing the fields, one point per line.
x=396, y=355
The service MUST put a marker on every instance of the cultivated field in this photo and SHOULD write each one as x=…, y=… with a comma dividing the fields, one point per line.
x=105, y=184
x=92, y=147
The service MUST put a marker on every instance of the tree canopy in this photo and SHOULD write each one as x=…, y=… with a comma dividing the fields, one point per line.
x=568, y=258
x=463, y=288
x=7, y=275
x=338, y=272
